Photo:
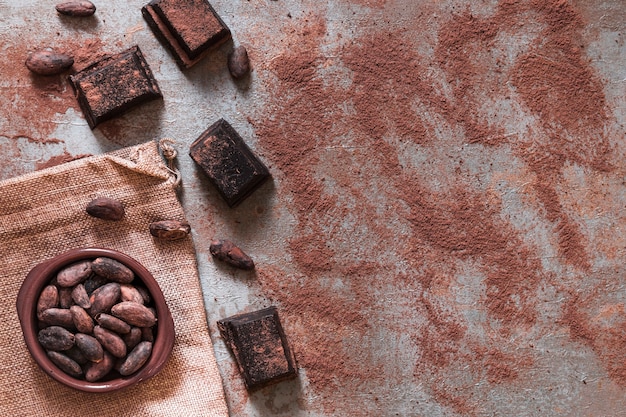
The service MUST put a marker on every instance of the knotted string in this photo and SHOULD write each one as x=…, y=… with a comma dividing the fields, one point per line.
x=170, y=153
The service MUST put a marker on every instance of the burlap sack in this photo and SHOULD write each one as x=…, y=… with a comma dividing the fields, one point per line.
x=43, y=214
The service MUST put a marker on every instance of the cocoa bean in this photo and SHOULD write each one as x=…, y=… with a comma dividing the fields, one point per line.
x=145, y=294
x=133, y=337
x=113, y=323
x=82, y=320
x=76, y=354
x=238, y=62
x=105, y=208
x=98, y=370
x=130, y=293
x=48, y=62
x=112, y=270
x=66, y=364
x=48, y=298
x=169, y=229
x=93, y=282
x=90, y=347
x=76, y=8
x=227, y=251
x=109, y=340
x=136, y=358
x=55, y=338
x=58, y=317
x=80, y=297
x=103, y=298
x=73, y=274
x=147, y=334
x=134, y=314
x=65, y=297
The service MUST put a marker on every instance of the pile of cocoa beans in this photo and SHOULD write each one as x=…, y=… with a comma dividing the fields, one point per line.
x=96, y=321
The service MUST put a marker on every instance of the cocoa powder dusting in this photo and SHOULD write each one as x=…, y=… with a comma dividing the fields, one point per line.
x=335, y=303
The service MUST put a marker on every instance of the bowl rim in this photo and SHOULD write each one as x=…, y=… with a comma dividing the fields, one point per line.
x=40, y=275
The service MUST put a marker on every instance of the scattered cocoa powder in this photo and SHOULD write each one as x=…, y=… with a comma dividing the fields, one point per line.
x=302, y=132
x=59, y=159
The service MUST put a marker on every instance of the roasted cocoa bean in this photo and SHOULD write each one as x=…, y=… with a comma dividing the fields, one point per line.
x=55, y=338
x=113, y=323
x=58, y=317
x=48, y=62
x=48, y=298
x=169, y=229
x=98, y=370
x=145, y=294
x=111, y=341
x=238, y=62
x=227, y=251
x=76, y=8
x=147, y=334
x=65, y=297
x=134, y=314
x=130, y=293
x=136, y=358
x=105, y=208
x=112, y=270
x=103, y=298
x=90, y=347
x=73, y=274
x=133, y=337
x=82, y=320
x=80, y=296
x=93, y=282
x=76, y=354
x=65, y=363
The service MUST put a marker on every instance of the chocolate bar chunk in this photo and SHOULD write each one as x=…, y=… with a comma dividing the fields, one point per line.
x=189, y=28
x=260, y=347
x=228, y=162
x=114, y=84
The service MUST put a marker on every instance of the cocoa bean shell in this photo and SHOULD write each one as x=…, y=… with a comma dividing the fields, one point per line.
x=80, y=296
x=169, y=229
x=103, y=298
x=113, y=323
x=90, y=347
x=58, y=317
x=76, y=354
x=110, y=341
x=227, y=251
x=133, y=337
x=130, y=293
x=134, y=314
x=76, y=8
x=112, y=270
x=55, y=338
x=98, y=370
x=136, y=359
x=147, y=334
x=65, y=363
x=106, y=209
x=65, y=297
x=73, y=274
x=48, y=298
x=48, y=62
x=82, y=320
x=238, y=62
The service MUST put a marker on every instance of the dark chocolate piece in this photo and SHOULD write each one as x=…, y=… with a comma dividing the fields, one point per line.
x=260, y=347
x=228, y=162
x=190, y=29
x=114, y=84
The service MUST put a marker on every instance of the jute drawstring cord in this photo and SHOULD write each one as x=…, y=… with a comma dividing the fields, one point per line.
x=168, y=151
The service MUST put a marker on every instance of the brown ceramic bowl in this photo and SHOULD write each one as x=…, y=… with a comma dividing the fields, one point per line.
x=43, y=273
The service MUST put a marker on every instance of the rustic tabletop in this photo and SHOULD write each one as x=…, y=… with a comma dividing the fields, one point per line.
x=444, y=231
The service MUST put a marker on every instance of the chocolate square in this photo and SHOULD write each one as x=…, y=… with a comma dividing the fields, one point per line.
x=258, y=342
x=228, y=162
x=114, y=84
x=188, y=28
